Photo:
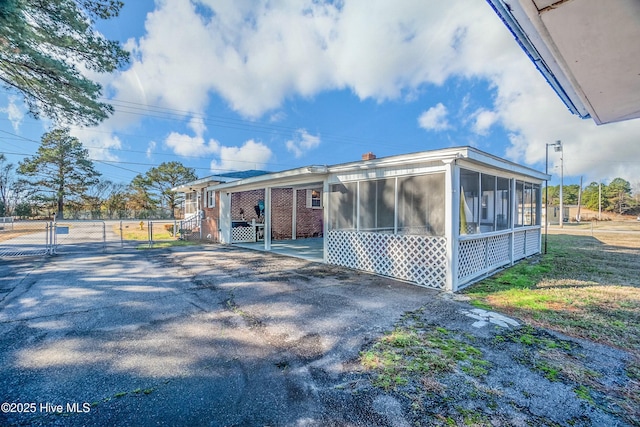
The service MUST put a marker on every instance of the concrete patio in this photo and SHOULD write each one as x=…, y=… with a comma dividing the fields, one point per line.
x=310, y=249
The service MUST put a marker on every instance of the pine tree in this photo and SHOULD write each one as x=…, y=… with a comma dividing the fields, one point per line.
x=159, y=180
x=61, y=168
x=44, y=45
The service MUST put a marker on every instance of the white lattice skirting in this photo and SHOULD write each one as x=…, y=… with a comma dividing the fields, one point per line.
x=243, y=234
x=484, y=254
x=418, y=259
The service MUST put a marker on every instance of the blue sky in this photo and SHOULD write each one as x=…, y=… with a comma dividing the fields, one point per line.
x=242, y=84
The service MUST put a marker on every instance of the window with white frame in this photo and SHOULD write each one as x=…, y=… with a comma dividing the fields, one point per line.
x=314, y=199
x=211, y=198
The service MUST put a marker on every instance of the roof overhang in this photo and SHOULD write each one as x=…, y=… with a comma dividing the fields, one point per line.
x=311, y=176
x=588, y=51
x=308, y=176
x=202, y=183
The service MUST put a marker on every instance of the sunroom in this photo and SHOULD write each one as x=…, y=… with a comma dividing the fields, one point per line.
x=441, y=219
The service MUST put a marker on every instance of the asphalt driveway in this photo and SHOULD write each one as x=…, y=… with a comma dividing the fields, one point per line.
x=222, y=336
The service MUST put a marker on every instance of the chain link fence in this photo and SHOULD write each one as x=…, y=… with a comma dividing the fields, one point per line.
x=25, y=238
x=28, y=238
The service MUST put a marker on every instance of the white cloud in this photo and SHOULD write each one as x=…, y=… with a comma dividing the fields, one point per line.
x=186, y=145
x=256, y=55
x=151, y=148
x=435, y=118
x=98, y=144
x=483, y=120
x=14, y=112
x=302, y=142
x=277, y=117
x=251, y=155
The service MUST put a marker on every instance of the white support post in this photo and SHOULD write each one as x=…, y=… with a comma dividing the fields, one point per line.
x=325, y=219
x=395, y=206
x=513, y=207
x=294, y=215
x=358, y=206
x=224, y=221
x=267, y=219
x=452, y=227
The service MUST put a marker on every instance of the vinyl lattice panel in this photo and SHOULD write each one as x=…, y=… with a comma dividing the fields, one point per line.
x=533, y=242
x=519, y=239
x=472, y=257
x=243, y=234
x=418, y=259
x=498, y=250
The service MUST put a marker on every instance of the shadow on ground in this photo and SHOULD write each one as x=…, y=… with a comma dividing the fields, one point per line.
x=225, y=336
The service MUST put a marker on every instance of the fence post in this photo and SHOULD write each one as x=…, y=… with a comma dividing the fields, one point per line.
x=121, y=236
x=104, y=236
x=150, y=229
x=54, y=237
x=47, y=247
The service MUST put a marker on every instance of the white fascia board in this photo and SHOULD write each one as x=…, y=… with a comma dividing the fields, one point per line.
x=201, y=183
x=532, y=36
x=493, y=162
x=401, y=160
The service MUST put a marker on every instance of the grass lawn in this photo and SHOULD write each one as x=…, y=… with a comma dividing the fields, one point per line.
x=167, y=244
x=586, y=286
x=132, y=231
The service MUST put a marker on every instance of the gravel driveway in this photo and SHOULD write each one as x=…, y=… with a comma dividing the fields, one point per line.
x=222, y=336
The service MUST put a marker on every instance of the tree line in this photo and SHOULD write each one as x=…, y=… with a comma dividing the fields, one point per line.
x=615, y=197
x=60, y=181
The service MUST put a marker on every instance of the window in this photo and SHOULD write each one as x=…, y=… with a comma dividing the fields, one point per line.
x=376, y=203
x=421, y=205
x=487, y=203
x=520, y=204
x=503, y=204
x=191, y=203
x=342, y=206
x=314, y=199
x=469, y=202
x=211, y=198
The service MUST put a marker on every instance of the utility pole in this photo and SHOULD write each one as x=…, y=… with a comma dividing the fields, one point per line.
x=579, y=200
x=599, y=201
x=559, y=148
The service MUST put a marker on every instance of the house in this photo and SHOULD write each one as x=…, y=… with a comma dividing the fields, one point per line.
x=442, y=218
x=586, y=49
x=199, y=205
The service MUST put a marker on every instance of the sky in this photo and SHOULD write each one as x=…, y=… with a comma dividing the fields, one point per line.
x=223, y=85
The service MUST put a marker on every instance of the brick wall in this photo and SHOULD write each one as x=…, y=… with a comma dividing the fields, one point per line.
x=244, y=204
x=281, y=213
x=309, y=221
x=210, y=222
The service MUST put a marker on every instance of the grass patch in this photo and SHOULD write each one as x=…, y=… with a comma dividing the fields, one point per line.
x=420, y=352
x=573, y=289
x=169, y=244
x=132, y=231
x=586, y=287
